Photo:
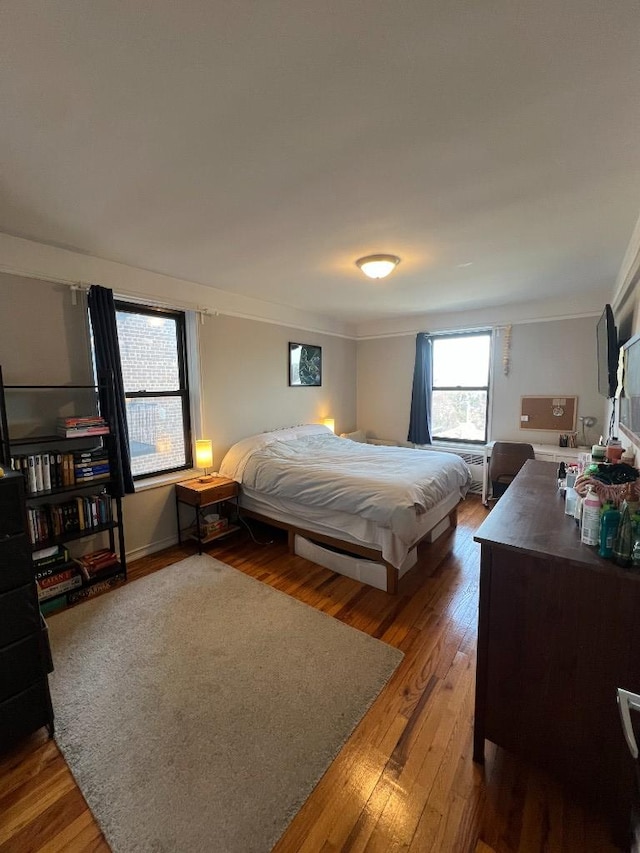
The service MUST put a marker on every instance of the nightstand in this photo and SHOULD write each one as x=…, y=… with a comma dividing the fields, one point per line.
x=201, y=495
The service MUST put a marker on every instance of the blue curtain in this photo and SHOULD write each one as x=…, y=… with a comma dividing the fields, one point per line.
x=420, y=418
x=102, y=312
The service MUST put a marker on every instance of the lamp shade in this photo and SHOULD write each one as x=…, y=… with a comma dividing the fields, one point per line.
x=204, y=453
x=330, y=422
x=378, y=266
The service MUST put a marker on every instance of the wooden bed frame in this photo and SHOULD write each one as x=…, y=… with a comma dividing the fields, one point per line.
x=349, y=547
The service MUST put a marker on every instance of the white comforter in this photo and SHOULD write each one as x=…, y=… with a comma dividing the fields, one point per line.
x=388, y=485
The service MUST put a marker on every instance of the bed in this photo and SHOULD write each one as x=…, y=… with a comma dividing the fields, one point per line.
x=373, y=502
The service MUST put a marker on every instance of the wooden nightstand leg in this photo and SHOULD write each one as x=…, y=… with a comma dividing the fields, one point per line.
x=178, y=519
x=198, y=530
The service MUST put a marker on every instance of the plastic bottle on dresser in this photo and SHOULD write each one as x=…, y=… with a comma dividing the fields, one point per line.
x=625, y=539
x=609, y=522
x=635, y=554
x=590, y=518
x=614, y=449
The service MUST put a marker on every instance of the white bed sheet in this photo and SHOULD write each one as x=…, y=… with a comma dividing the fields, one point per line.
x=388, y=485
x=386, y=498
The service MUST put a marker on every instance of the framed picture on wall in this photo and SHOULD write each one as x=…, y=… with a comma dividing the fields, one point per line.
x=305, y=365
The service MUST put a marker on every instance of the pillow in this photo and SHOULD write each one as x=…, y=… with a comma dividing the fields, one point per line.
x=358, y=435
x=237, y=456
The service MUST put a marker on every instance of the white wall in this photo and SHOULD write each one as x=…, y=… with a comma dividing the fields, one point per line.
x=385, y=379
x=555, y=358
x=244, y=367
x=43, y=340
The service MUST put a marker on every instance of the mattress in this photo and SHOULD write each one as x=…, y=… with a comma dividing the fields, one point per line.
x=386, y=498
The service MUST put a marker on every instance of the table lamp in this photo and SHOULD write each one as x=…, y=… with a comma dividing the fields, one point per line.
x=204, y=458
x=330, y=422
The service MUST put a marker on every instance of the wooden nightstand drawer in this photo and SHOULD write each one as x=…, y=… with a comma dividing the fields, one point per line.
x=222, y=492
x=195, y=493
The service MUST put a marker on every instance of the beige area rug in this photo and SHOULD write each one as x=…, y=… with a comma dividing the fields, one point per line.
x=198, y=708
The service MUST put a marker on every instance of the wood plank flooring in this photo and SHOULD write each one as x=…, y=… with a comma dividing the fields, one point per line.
x=405, y=780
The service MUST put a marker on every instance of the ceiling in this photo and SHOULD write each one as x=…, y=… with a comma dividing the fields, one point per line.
x=262, y=147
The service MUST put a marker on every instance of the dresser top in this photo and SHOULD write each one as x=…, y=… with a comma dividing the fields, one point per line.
x=530, y=518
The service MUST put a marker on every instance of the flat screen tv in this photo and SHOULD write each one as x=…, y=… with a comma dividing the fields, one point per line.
x=607, y=339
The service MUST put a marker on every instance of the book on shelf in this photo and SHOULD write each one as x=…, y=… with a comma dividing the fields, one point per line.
x=90, y=453
x=31, y=479
x=57, y=577
x=45, y=555
x=61, y=586
x=82, y=431
x=46, y=471
x=90, y=478
x=98, y=467
x=97, y=563
x=37, y=464
x=80, y=420
x=47, y=560
x=55, y=469
x=47, y=572
x=95, y=589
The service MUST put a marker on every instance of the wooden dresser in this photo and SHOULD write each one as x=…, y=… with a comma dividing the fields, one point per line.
x=558, y=632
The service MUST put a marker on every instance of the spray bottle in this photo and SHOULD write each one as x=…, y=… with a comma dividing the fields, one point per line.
x=590, y=518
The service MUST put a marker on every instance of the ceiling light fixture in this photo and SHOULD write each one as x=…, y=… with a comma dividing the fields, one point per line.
x=378, y=266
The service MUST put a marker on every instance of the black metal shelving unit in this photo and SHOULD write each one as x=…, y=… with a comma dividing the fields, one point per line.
x=114, y=528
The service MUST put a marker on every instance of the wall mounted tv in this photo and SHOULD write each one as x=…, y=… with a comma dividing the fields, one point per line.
x=629, y=413
x=607, y=340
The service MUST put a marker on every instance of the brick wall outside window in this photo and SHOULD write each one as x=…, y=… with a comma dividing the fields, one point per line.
x=149, y=362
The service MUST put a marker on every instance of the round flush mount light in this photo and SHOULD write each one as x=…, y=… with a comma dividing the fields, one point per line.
x=378, y=266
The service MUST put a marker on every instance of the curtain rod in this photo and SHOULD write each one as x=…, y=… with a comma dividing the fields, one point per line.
x=142, y=299
x=83, y=286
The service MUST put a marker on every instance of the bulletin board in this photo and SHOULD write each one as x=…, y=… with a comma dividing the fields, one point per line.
x=550, y=413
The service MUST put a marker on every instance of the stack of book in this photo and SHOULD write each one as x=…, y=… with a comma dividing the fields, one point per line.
x=80, y=427
x=55, y=574
x=91, y=465
x=98, y=564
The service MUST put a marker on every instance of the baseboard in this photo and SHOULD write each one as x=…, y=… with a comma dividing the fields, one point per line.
x=152, y=548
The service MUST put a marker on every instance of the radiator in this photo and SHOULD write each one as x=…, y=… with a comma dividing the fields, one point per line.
x=473, y=458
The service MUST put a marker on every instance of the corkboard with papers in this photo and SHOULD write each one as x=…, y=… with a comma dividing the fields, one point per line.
x=549, y=413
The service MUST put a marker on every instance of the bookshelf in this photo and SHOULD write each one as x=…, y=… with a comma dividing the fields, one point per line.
x=53, y=436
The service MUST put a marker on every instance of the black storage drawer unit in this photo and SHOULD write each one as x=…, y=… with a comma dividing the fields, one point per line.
x=25, y=658
x=25, y=712
x=21, y=664
x=20, y=614
x=15, y=562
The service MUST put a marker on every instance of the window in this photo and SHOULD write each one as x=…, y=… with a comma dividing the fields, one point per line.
x=460, y=389
x=153, y=356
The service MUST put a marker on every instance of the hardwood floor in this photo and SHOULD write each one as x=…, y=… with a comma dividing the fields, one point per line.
x=405, y=780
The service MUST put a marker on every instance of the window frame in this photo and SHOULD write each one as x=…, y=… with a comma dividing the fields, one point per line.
x=475, y=333
x=122, y=305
